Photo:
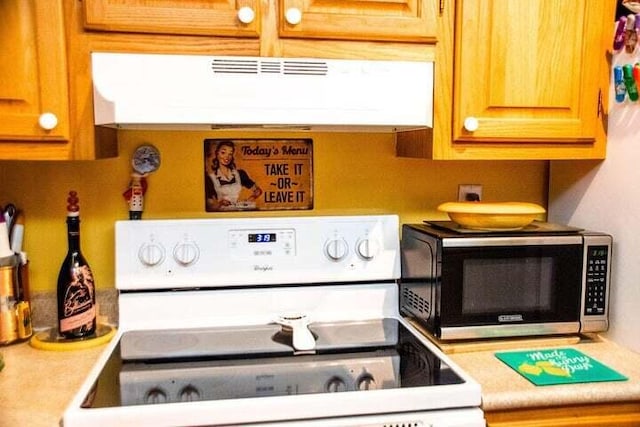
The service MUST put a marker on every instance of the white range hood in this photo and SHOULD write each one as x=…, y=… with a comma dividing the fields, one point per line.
x=195, y=92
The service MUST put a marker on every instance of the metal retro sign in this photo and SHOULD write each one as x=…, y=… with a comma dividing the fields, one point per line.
x=258, y=174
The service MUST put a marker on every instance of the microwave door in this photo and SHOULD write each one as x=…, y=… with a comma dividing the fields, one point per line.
x=516, y=290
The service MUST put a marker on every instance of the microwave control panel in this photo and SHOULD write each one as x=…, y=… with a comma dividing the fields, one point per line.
x=597, y=267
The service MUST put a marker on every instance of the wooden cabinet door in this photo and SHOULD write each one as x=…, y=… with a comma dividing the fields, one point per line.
x=198, y=17
x=396, y=20
x=529, y=70
x=33, y=71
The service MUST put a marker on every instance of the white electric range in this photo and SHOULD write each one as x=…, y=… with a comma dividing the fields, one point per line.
x=268, y=322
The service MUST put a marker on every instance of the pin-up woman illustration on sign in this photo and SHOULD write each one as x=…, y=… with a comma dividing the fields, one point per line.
x=224, y=181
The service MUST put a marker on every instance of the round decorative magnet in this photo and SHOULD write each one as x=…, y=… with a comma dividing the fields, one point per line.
x=146, y=159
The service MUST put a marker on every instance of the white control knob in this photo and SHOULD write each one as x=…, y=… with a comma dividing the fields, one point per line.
x=246, y=15
x=336, y=249
x=189, y=394
x=366, y=382
x=471, y=124
x=151, y=254
x=156, y=395
x=48, y=121
x=335, y=385
x=293, y=15
x=367, y=249
x=186, y=253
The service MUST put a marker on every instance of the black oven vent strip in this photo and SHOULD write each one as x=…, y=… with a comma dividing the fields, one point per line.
x=285, y=67
x=186, y=287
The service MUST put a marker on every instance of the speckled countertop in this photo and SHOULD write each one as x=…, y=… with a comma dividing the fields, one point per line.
x=503, y=388
x=36, y=385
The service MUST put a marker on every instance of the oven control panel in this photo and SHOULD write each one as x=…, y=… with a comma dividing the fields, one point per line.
x=270, y=242
x=196, y=253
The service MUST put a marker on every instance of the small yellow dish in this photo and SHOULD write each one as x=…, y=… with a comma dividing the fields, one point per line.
x=49, y=339
x=498, y=216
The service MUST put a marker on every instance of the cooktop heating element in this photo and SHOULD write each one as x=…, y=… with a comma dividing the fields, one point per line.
x=302, y=327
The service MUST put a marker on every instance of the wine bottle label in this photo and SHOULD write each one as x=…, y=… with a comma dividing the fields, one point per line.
x=82, y=319
x=79, y=307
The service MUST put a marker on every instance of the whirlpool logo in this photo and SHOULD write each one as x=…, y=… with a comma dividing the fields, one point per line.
x=505, y=318
x=263, y=268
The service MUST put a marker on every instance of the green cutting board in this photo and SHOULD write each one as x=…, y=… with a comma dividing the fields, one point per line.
x=558, y=366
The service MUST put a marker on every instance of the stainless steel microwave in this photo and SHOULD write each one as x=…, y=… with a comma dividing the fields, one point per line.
x=545, y=279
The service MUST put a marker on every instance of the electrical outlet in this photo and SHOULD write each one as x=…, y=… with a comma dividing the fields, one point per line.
x=469, y=192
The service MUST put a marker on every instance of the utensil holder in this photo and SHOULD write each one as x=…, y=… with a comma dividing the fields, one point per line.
x=15, y=308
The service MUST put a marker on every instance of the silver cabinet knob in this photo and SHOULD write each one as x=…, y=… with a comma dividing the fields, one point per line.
x=293, y=15
x=471, y=124
x=48, y=121
x=246, y=15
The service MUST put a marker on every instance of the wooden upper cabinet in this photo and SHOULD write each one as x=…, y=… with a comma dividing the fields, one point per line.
x=239, y=18
x=530, y=71
x=38, y=104
x=34, y=92
x=372, y=20
x=525, y=79
x=393, y=20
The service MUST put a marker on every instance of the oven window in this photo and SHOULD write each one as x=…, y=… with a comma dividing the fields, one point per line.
x=492, y=285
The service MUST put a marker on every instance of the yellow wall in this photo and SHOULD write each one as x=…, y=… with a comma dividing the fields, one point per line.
x=352, y=172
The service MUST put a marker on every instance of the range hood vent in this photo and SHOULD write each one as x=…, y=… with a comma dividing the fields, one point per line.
x=195, y=92
x=307, y=67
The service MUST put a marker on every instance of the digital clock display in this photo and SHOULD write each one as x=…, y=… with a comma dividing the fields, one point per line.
x=262, y=237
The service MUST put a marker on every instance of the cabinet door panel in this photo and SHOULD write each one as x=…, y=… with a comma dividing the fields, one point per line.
x=408, y=20
x=528, y=70
x=33, y=68
x=199, y=17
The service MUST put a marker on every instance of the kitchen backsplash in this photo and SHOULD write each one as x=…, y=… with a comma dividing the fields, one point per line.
x=351, y=172
x=44, y=309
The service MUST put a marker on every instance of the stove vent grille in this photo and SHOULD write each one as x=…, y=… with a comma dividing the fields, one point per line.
x=269, y=66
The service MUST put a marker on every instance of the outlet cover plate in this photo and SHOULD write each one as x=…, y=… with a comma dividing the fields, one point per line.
x=465, y=189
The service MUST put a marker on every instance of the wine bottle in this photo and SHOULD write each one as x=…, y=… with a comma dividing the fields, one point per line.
x=76, y=288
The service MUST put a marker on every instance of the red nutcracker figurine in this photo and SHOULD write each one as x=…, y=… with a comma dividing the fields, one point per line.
x=146, y=159
x=135, y=195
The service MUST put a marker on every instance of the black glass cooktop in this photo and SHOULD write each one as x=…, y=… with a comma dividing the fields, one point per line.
x=256, y=361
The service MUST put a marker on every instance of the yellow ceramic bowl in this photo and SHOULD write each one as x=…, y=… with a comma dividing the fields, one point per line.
x=492, y=215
